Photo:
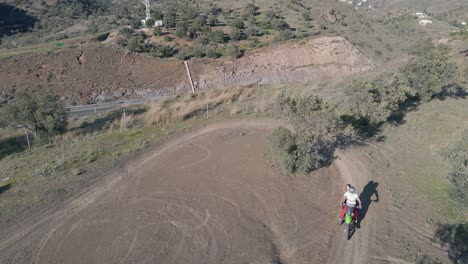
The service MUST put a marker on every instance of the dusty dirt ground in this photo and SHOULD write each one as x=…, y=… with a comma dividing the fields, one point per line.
x=192, y=201
x=213, y=196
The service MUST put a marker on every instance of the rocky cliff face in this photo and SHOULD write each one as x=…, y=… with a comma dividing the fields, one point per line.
x=103, y=72
x=301, y=61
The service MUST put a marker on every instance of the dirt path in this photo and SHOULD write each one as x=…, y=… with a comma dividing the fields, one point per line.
x=212, y=196
x=209, y=196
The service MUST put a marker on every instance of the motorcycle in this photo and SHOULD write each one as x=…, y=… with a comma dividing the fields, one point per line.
x=349, y=220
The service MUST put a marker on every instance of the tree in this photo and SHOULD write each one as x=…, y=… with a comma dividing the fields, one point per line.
x=285, y=35
x=157, y=15
x=157, y=31
x=41, y=113
x=306, y=16
x=212, y=53
x=216, y=36
x=149, y=23
x=180, y=32
x=375, y=101
x=212, y=20
x=237, y=23
x=318, y=130
x=126, y=32
x=163, y=51
x=232, y=51
x=169, y=20
x=251, y=31
x=251, y=10
x=430, y=72
x=136, y=24
x=237, y=34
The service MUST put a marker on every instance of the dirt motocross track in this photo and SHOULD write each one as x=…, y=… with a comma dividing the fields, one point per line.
x=191, y=201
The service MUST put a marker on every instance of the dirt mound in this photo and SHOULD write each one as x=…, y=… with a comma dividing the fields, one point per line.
x=102, y=72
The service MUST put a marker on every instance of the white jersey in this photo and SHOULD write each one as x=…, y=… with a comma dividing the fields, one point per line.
x=351, y=198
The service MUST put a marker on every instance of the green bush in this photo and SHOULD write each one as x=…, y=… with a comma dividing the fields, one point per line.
x=40, y=112
x=285, y=35
x=237, y=34
x=212, y=53
x=232, y=51
x=136, y=24
x=163, y=51
x=429, y=72
x=457, y=154
x=169, y=20
x=149, y=23
x=283, y=146
x=125, y=32
x=157, y=31
x=375, y=101
x=318, y=130
x=216, y=36
x=237, y=23
x=212, y=20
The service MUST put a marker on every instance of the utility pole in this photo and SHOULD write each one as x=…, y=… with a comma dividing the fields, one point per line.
x=27, y=138
x=189, y=76
x=124, y=120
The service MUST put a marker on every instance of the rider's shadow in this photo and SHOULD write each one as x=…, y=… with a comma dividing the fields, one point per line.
x=366, y=194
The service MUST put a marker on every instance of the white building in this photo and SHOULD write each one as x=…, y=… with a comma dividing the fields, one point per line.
x=420, y=15
x=424, y=22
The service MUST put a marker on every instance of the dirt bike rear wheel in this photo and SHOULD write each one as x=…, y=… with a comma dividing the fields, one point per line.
x=347, y=227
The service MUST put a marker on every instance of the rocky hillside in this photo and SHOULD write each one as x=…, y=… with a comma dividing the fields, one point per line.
x=101, y=72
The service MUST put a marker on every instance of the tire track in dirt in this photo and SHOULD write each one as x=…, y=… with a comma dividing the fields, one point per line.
x=218, y=207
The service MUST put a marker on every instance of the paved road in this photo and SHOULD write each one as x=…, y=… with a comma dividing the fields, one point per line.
x=87, y=110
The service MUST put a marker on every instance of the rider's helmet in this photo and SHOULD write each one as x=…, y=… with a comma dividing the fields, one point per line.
x=352, y=189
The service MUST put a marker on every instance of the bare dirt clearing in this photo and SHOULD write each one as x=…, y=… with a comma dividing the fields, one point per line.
x=208, y=197
x=211, y=196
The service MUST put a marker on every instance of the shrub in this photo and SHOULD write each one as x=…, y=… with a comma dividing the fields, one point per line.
x=318, y=131
x=157, y=15
x=212, y=53
x=157, y=31
x=212, y=20
x=40, y=112
x=285, y=35
x=251, y=31
x=163, y=51
x=237, y=23
x=169, y=20
x=375, y=101
x=136, y=24
x=198, y=52
x=149, y=23
x=457, y=154
x=283, y=146
x=429, y=72
x=232, y=51
x=180, y=32
x=125, y=32
x=216, y=36
x=237, y=34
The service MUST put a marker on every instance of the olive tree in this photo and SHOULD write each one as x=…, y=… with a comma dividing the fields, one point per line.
x=40, y=112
